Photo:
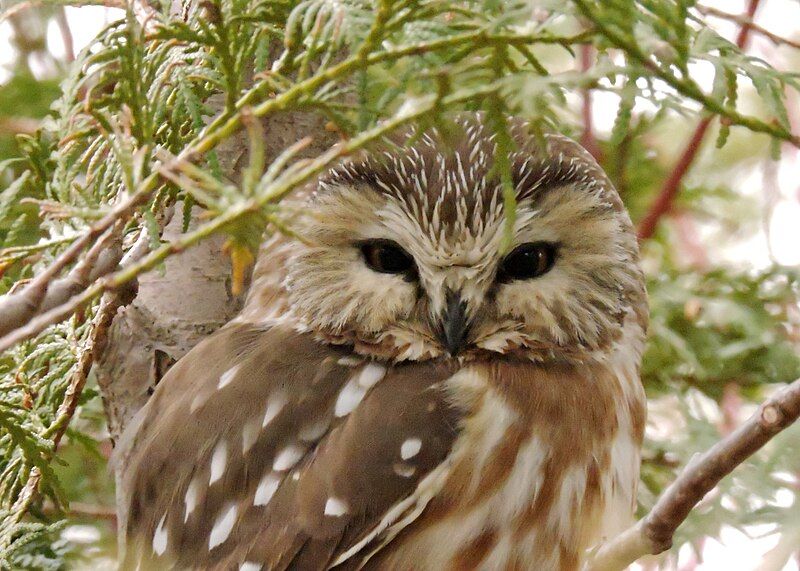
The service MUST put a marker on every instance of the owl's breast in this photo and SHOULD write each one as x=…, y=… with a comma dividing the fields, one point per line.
x=545, y=465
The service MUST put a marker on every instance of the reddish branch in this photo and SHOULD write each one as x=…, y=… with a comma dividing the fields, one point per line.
x=18, y=125
x=66, y=34
x=588, y=140
x=84, y=510
x=669, y=191
x=653, y=534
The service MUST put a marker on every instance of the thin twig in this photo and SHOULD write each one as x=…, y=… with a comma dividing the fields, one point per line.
x=66, y=34
x=588, y=140
x=743, y=20
x=84, y=510
x=653, y=533
x=18, y=125
x=672, y=186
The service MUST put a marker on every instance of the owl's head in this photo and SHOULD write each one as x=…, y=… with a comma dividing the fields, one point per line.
x=404, y=256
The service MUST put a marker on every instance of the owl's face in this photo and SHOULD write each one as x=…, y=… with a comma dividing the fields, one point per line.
x=404, y=255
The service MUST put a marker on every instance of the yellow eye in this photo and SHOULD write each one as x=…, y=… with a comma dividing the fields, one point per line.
x=527, y=261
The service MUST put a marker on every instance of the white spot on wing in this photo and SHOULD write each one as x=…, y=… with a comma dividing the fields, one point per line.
x=349, y=361
x=371, y=374
x=222, y=527
x=349, y=397
x=219, y=460
x=335, y=507
x=314, y=431
x=160, y=537
x=266, y=489
x=250, y=566
x=274, y=407
x=190, y=499
x=198, y=401
x=288, y=457
x=249, y=435
x=410, y=448
x=227, y=377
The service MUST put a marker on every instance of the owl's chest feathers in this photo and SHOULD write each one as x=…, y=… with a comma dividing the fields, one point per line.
x=545, y=465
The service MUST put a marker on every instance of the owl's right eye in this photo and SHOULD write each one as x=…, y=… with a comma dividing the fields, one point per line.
x=387, y=257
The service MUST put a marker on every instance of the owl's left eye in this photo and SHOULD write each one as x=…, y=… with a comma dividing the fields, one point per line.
x=527, y=261
x=387, y=257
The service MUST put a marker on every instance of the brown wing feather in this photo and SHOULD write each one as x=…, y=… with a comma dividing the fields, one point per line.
x=348, y=471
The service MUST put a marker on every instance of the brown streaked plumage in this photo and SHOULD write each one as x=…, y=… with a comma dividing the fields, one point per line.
x=399, y=393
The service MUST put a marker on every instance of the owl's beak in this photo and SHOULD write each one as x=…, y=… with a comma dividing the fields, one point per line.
x=454, y=324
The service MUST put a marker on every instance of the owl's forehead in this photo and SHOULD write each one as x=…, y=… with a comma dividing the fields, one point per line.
x=449, y=190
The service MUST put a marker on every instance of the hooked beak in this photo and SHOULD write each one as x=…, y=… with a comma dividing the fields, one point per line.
x=454, y=325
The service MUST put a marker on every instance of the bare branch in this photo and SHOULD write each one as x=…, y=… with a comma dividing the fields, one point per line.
x=84, y=511
x=18, y=125
x=66, y=34
x=748, y=21
x=672, y=186
x=653, y=534
x=588, y=140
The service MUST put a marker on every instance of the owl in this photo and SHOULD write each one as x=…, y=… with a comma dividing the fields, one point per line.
x=405, y=389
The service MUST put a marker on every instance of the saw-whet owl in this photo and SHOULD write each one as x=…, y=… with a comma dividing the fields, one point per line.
x=404, y=390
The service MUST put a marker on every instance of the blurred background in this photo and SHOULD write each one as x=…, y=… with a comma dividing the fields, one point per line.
x=721, y=261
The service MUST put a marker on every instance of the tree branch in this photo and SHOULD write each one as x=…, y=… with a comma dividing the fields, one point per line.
x=17, y=309
x=653, y=534
x=66, y=34
x=18, y=125
x=588, y=140
x=748, y=21
x=669, y=191
x=672, y=186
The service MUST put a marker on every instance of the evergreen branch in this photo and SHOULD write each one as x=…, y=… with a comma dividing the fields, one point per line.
x=684, y=85
x=66, y=410
x=225, y=125
x=669, y=191
x=653, y=533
